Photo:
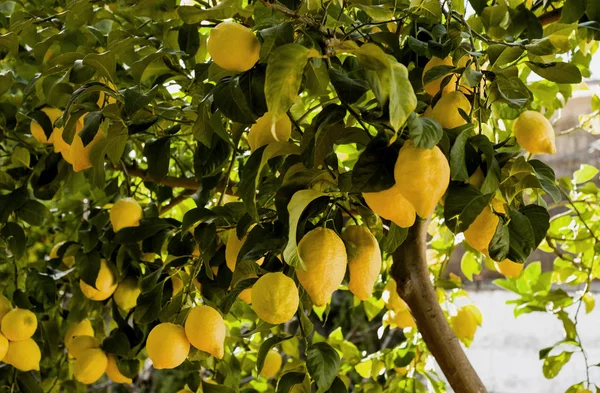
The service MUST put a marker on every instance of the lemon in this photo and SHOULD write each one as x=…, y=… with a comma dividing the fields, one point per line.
x=113, y=372
x=167, y=346
x=267, y=130
x=5, y=306
x=365, y=264
x=275, y=298
x=534, y=133
x=105, y=284
x=477, y=178
x=272, y=364
x=391, y=205
x=127, y=293
x=232, y=250
x=464, y=323
x=36, y=129
x=60, y=145
x=125, y=213
x=433, y=87
x=246, y=295
x=446, y=111
x=403, y=319
x=80, y=344
x=68, y=260
x=324, y=256
x=177, y=284
x=83, y=328
x=390, y=297
x=428, y=112
x=23, y=355
x=19, y=324
x=481, y=231
x=80, y=154
x=90, y=366
x=423, y=176
x=509, y=268
x=104, y=96
x=205, y=329
x=233, y=47
x=3, y=346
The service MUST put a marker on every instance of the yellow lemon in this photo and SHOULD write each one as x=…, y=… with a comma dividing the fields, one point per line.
x=391, y=205
x=81, y=154
x=90, y=366
x=428, y=112
x=433, y=87
x=125, y=213
x=275, y=298
x=267, y=130
x=5, y=306
x=3, y=346
x=534, y=133
x=113, y=372
x=80, y=344
x=233, y=47
x=481, y=231
x=205, y=328
x=177, y=284
x=167, y=346
x=423, y=175
x=272, y=364
x=36, y=129
x=477, y=178
x=246, y=295
x=324, y=256
x=127, y=293
x=68, y=260
x=23, y=355
x=390, y=297
x=403, y=319
x=365, y=264
x=232, y=249
x=464, y=323
x=83, y=328
x=105, y=284
x=446, y=111
x=509, y=268
x=19, y=324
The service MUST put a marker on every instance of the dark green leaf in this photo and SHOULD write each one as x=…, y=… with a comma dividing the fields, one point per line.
x=15, y=236
x=323, y=363
x=148, y=305
x=289, y=380
x=522, y=236
x=374, y=170
x=462, y=205
x=500, y=244
x=33, y=212
x=158, y=154
x=394, y=238
x=28, y=383
x=557, y=72
x=540, y=221
x=189, y=39
x=135, y=100
x=91, y=124
x=458, y=162
x=572, y=11
x=265, y=347
x=425, y=132
x=146, y=229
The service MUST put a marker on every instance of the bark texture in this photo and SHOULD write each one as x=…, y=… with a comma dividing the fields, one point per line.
x=414, y=286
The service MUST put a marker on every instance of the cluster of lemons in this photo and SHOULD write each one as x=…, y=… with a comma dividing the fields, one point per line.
x=17, y=348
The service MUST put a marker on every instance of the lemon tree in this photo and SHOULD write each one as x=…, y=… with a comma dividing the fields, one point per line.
x=265, y=196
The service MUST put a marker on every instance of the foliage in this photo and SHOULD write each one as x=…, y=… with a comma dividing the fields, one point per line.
x=167, y=127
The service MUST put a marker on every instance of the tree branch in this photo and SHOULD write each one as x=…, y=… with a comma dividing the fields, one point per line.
x=169, y=181
x=550, y=17
x=414, y=286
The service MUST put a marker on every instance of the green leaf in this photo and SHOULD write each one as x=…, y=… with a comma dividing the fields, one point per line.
x=224, y=10
x=376, y=65
x=553, y=364
x=148, y=305
x=584, y=174
x=557, y=72
x=547, y=178
x=522, y=236
x=134, y=100
x=20, y=157
x=462, y=205
x=6, y=81
x=189, y=39
x=374, y=170
x=215, y=388
x=425, y=132
x=323, y=363
x=284, y=76
x=540, y=221
x=349, y=89
x=158, y=154
x=338, y=386
x=88, y=267
x=513, y=91
x=10, y=41
x=15, y=236
x=293, y=380
x=458, y=163
x=572, y=11
x=402, y=96
x=275, y=36
x=300, y=200
x=500, y=244
x=230, y=99
x=470, y=265
x=146, y=229
x=436, y=73
x=33, y=212
x=28, y=383
x=91, y=124
x=394, y=238
x=265, y=347
x=105, y=63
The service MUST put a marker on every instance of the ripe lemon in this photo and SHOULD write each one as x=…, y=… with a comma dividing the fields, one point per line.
x=177, y=284
x=5, y=306
x=446, y=111
x=481, y=231
x=534, y=133
x=68, y=260
x=275, y=298
x=80, y=344
x=19, y=324
x=105, y=284
x=83, y=328
x=90, y=366
x=365, y=264
x=391, y=205
x=3, y=346
x=23, y=355
x=246, y=295
x=390, y=297
x=324, y=256
x=126, y=212
x=402, y=319
x=127, y=293
x=113, y=372
x=205, y=328
x=232, y=249
x=428, y=112
x=60, y=145
x=233, y=47
x=267, y=130
x=477, y=178
x=80, y=154
x=167, y=346
x=464, y=323
x=423, y=176
x=272, y=364
x=36, y=129
x=509, y=268
x=433, y=87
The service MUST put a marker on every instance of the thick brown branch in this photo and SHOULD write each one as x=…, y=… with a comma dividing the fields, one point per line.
x=414, y=286
x=550, y=17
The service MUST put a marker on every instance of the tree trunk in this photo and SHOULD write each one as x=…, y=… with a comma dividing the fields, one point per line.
x=414, y=286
